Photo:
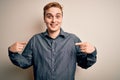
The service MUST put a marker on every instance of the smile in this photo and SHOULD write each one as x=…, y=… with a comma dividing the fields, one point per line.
x=53, y=25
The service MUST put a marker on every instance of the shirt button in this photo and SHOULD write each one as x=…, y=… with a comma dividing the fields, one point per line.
x=53, y=69
x=52, y=49
x=53, y=59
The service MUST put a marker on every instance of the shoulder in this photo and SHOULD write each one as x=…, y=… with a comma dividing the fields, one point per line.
x=36, y=36
x=73, y=36
x=34, y=39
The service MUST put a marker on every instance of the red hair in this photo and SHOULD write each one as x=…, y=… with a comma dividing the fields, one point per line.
x=52, y=4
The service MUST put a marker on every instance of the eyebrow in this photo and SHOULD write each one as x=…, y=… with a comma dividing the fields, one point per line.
x=50, y=13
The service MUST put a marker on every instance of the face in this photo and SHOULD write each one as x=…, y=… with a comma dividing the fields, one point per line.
x=53, y=19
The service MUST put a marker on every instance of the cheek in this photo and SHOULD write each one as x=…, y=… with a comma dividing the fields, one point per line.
x=47, y=21
x=60, y=20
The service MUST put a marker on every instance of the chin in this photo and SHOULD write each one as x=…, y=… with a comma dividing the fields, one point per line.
x=54, y=29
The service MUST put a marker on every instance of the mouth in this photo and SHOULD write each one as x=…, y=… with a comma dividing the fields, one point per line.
x=53, y=25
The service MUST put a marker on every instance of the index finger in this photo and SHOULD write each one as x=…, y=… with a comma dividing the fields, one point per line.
x=78, y=44
x=23, y=43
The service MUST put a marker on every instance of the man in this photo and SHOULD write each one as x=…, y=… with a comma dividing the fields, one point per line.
x=53, y=53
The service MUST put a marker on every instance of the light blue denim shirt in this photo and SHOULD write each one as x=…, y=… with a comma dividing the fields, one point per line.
x=53, y=59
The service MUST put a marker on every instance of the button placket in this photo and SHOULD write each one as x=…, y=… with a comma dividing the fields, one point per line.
x=53, y=58
x=53, y=45
x=53, y=54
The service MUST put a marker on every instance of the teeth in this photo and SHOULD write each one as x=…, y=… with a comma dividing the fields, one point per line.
x=53, y=24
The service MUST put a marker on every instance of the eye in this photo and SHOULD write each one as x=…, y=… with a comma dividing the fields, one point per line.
x=58, y=16
x=49, y=16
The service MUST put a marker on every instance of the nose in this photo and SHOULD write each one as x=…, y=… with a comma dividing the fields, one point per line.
x=53, y=19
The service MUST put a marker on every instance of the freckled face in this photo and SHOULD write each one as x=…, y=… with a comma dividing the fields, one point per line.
x=53, y=19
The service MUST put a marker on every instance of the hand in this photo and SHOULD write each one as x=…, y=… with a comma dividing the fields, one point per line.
x=86, y=47
x=17, y=46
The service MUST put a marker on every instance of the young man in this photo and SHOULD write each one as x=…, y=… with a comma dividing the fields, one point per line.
x=53, y=53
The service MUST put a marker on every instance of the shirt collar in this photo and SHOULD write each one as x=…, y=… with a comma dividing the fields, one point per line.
x=62, y=33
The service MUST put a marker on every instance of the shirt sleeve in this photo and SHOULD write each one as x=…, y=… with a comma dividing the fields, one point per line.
x=85, y=60
x=23, y=60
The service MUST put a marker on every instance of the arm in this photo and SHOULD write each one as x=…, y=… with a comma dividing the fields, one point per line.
x=23, y=60
x=86, y=54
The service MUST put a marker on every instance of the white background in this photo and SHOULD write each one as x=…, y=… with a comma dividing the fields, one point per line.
x=94, y=21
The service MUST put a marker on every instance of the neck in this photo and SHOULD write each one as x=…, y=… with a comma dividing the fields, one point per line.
x=54, y=34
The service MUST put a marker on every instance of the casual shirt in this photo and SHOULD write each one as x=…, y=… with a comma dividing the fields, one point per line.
x=53, y=59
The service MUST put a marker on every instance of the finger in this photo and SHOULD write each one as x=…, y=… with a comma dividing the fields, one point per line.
x=78, y=44
x=20, y=49
x=21, y=46
x=82, y=48
x=23, y=43
x=82, y=45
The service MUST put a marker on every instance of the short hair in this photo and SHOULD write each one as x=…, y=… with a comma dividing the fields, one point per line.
x=52, y=4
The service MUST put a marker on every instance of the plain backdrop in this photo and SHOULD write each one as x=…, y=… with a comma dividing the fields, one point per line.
x=94, y=21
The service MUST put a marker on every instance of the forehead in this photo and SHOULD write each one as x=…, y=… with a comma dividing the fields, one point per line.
x=53, y=10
